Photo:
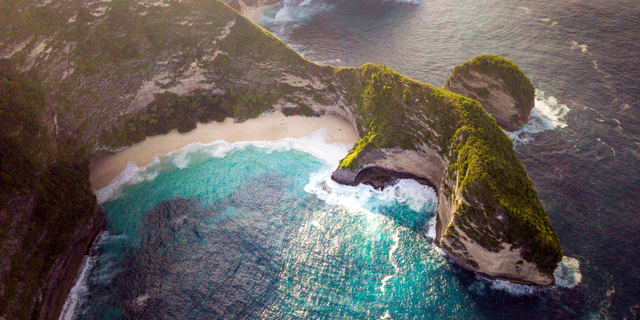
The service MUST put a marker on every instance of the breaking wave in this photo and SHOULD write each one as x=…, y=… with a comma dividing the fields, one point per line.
x=568, y=274
x=317, y=144
x=547, y=114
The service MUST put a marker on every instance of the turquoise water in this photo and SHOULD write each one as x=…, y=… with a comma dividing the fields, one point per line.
x=583, y=57
x=259, y=231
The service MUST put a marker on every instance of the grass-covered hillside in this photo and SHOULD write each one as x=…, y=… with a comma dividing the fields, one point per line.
x=394, y=111
x=45, y=195
x=103, y=63
x=517, y=82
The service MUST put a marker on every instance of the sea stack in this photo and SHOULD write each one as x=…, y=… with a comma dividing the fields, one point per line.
x=489, y=218
x=499, y=85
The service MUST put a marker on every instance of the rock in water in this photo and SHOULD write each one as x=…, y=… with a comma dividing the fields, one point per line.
x=499, y=85
x=489, y=218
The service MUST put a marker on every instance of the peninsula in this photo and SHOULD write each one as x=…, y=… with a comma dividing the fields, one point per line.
x=82, y=80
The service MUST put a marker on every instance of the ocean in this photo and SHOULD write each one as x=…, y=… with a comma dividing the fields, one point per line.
x=259, y=231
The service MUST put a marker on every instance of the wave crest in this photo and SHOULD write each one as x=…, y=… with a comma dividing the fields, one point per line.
x=547, y=114
x=317, y=144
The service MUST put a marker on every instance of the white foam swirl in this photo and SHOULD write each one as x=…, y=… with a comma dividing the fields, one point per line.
x=316, y=144
x=79, y=290
x=547, y=114
x=568, y=274
x=366, y=198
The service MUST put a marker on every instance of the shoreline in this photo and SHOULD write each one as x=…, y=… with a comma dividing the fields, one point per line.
x=253, y=13
x=267, y=127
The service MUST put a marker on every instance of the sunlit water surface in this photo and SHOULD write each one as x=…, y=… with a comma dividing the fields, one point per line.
x=259, y=231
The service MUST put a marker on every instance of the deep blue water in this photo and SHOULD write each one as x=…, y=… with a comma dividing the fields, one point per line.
x=260, y=232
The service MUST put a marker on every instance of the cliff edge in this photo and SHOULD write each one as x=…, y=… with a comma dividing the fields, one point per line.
x=109, y=74
x=499, y=85
x=489, y=218
x=48, y=213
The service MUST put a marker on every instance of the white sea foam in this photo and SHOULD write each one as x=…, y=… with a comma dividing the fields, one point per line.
x=582, y=47
x=396, y=244
x=482, y=284
x=568, y=274
x=285, y=14
x=514, y=288
x=293, y=11
x=547, y=114
x=80, y=289
x=131, y=175
x=366, y=198
x=316, y=144
x=431, y=231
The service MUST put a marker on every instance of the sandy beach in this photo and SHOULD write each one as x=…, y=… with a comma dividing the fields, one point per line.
x=267, y=127
x=253, y=13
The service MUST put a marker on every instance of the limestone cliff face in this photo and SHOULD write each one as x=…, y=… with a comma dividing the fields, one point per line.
x=499, y=85
x=477, y=234
x=116, y=72
x=48, y=213
x=486, y=248
x=489, y=218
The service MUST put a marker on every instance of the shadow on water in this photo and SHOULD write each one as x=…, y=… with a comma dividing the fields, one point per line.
x=183, y=265
x=196, y=262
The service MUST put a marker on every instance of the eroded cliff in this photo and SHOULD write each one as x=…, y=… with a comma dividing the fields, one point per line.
x=499, y=85
x=48, y=214
x=489, y=218
x=113, y=73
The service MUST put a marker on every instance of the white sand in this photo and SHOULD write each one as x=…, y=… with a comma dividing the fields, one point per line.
x=267, y=127
x=253, y=13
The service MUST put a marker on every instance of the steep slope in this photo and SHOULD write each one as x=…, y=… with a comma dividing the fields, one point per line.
x=499, y=85
x=48, y=214
x=115, y=72
x=489, y=218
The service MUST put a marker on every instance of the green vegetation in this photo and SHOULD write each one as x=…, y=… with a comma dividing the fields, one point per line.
x=489, y=170
x=21, y=110
x=50, y=174
x=116, y=53
x=393, y=111
x=302, y=110
x=519, y=85
x=168, y=111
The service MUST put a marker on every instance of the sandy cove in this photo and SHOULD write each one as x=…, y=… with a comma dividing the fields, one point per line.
x=267, y=127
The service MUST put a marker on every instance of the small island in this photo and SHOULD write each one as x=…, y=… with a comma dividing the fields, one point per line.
x=499, y=85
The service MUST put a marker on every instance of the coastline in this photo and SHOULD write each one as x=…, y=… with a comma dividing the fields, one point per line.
x=267, y=127
x=253, y=13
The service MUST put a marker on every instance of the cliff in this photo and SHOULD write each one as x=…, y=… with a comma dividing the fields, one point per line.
x=112, y=73
x=489, y=218
x=499, y=85
x=48, y=214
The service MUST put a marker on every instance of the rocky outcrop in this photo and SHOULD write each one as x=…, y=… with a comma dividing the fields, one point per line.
x=64, y=269
x=382, y=167
x=115, y=72
x=48, y=213
x=489, y=219
x=499, y=85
